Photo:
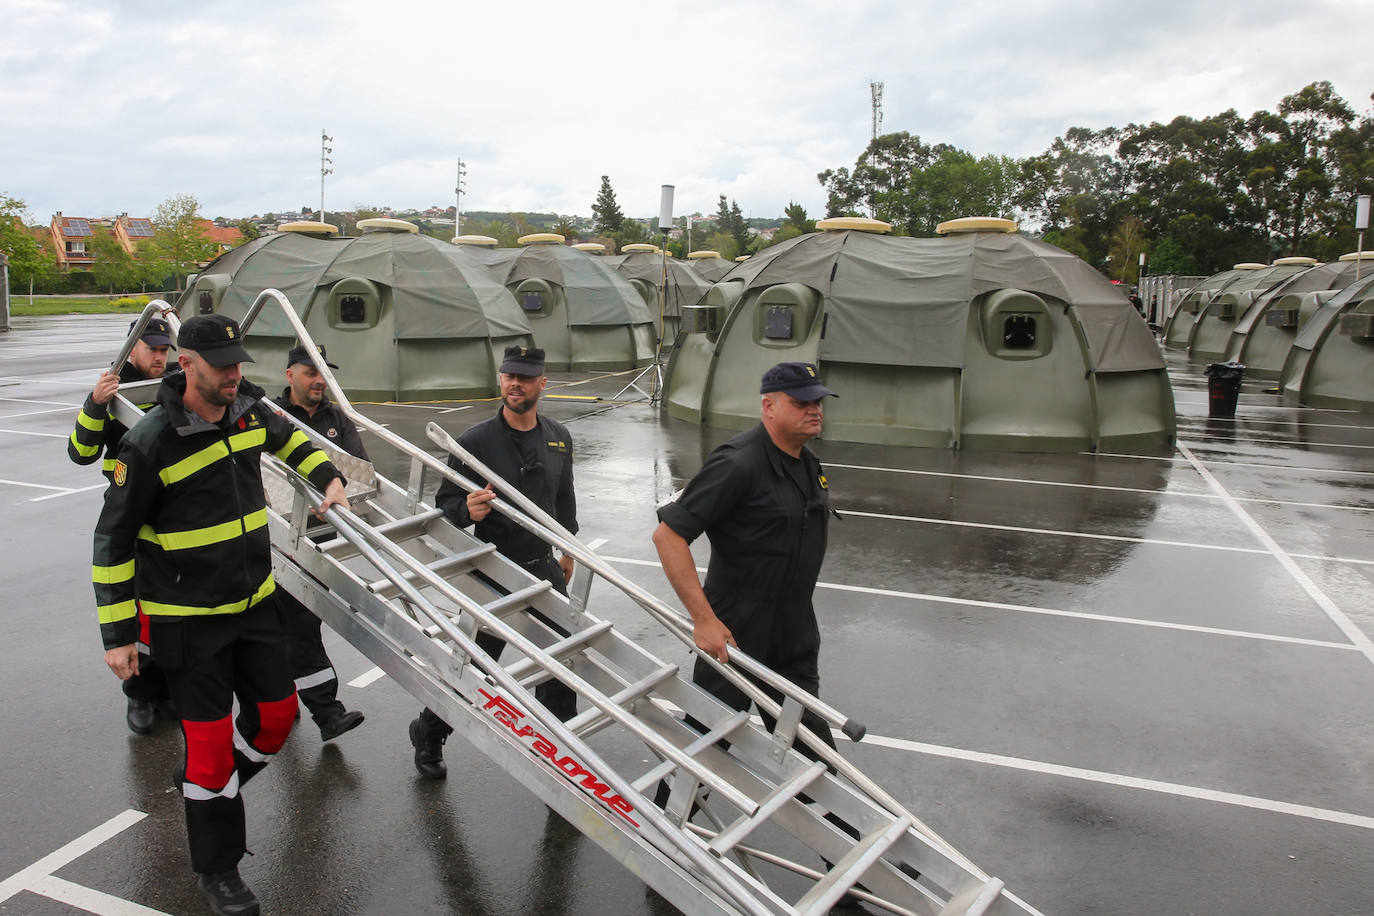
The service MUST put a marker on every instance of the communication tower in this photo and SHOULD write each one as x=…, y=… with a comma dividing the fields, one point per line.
x=875, y=89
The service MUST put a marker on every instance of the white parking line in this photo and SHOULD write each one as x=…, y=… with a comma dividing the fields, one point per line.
x=70, y=492
x=28, y=878
x=1174, y=459
x=26, y=432
x=1049, y=612
x=89, y=899
x=32, y=401
x=1127, y=782
x=1338, y=617
x=38, y=413
x=367, y=677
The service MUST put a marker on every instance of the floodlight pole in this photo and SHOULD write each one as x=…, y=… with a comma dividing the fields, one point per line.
x=325, y=162
x=4, y=292
x=458, y=192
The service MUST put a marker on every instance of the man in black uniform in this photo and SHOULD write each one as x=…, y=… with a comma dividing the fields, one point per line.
x=316, y=683
x=535, y=454
x=763, y=502
x=97, y=431
x=184, y=530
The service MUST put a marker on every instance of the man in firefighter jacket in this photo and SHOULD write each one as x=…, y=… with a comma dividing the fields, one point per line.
x=317, y=686
x=183, y=538
x=96, y=432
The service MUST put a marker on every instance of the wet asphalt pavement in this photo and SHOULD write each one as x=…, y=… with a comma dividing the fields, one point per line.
x=1122, y=684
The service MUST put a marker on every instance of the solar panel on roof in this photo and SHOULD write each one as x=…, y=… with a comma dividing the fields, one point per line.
x=77, y=227
x=140, y=229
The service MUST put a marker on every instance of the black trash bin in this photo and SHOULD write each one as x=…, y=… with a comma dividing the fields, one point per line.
x=1223, y=388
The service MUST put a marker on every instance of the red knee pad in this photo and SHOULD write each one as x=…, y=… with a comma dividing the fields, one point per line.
x=209, y=752
x=274, y=724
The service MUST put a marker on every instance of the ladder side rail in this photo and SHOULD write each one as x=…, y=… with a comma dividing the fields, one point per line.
x=724, y=878
x=522, y=643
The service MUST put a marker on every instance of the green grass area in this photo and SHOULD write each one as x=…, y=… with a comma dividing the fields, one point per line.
x=76, y=305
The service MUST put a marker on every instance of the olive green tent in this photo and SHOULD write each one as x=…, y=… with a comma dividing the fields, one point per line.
x=645, y=271
x=1178, y=328
x=580, y=310
x=978, y=339
x=1263, y=335
x=1331, y=362
x=406, y=317
x=710, y=265
x=1213, y=326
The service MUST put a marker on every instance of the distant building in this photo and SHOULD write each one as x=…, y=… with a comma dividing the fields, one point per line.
x=132, y=232
x=70, y=238
x=224, y=237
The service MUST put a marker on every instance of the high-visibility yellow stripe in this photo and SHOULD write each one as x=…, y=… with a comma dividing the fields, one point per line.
x=203, y=537
x=297, y=438
x=309, y=464
x=254, y=437
x=113, y=613
x=192, y=463
x=268, y=586
x=90, y=422
x=85, y=451
x=107, y=464
x=109, y=575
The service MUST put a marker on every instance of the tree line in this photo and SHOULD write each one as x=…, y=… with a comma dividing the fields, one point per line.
x=1196, y=195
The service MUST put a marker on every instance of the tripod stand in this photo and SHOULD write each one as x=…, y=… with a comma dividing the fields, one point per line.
x=654, y=371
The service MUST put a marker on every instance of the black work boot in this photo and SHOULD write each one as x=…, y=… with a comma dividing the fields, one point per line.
x=429, y=751
x=341, y=721
x=226, y=894
x=140, y=716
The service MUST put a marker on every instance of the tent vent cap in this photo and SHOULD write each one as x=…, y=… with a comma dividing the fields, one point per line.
x=590, y=247
x=383, y=224
x=976, y=224
x=482, y=241
x=1249, y=265
x=641, y=246
x=309, y=227
x=541, y=238
x=1358, y=256
x=743, y=257
x=1287, y=261
x=861, y=223
x=708, y=253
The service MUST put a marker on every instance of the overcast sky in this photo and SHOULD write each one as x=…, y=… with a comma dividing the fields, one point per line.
x=110, y=107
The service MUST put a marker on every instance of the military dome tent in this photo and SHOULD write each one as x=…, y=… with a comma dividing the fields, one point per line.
x=583, y=313
x=407, y=316
x=982, y=338
x=645, y=268
x=1178, y=328
x=1263, y=335
x=710, y=264
x=1214, y=325
x=1331, y=362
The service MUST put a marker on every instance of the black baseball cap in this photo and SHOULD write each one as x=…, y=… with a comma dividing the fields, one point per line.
x=523, y=361
x=156, y=333
x=801, y=380
x=302, y=355
x=216, y=338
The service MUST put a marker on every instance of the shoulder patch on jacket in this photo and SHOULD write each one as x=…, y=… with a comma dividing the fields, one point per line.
x=121, y=473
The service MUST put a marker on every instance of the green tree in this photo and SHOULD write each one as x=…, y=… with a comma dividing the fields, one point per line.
x=502, y=231
x=883, y=167
x=180, y=240
x=30, y=264
x=796, y=218
x=724, y=243
x=605, y=211
x=1128, y=243
x=565, y=228
x=248, y=229
x=114, y=268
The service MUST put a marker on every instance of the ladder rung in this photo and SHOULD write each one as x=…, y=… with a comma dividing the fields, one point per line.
x=826, y=892
x=397, y=530
x=726, y=839
x=562, y=649
x=586, y=723
x=725, y=728
x=517, y=599
x=444, y=566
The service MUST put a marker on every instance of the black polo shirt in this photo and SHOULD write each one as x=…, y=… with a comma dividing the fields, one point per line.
x=765, y=514
x=329, y=421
